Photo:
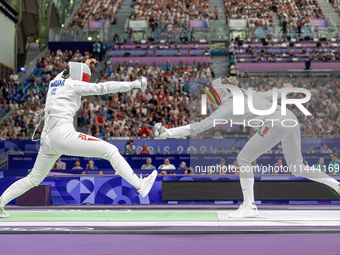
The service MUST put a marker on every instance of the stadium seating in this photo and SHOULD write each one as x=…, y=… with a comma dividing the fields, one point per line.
x=185, y=66
x=94, y=10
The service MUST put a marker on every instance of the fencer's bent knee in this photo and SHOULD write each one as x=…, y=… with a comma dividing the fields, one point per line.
x=35, y=178
x=243, y=160
x=113, y=150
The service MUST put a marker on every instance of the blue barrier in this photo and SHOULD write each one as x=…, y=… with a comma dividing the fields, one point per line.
x=115, y=190
x=107, y=171
x=71, y=46
x=18, y=164
x=180, y=146
x=172, y=52
x=136, y=161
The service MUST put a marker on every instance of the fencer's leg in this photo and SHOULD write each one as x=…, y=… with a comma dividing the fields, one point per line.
x=123, y=168
x=291, y=146
x=79, y=144
x=42, y=167
x=259, y=144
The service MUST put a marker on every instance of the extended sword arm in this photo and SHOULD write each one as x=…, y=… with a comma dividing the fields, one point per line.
x=192, y=129
x=87, y=89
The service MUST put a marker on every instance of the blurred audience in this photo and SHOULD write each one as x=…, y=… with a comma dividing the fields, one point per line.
x=96, y=10
x=91, y=165
x=77, y=165
x=166, y=165
x=148, y=164
x=145, y=150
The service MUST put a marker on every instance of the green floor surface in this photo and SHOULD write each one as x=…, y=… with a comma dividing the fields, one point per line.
x=112, y=215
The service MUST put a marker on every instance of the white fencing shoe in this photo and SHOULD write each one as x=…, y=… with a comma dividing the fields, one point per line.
x=339, y=189
x=244, y=211
x=3, y=214
x=146, y=183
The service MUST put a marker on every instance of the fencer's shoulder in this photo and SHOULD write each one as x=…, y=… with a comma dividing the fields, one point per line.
x=227, y=99
x=70, y=82
x=57, y=82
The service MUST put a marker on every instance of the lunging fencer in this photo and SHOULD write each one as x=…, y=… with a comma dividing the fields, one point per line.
x=60, y=137
x=269, y=134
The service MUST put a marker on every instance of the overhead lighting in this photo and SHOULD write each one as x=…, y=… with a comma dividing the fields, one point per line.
x=89, y=38
x=62, y=25
x=22, y=69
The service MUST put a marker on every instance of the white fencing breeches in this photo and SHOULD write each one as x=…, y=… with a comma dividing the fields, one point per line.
x=59, y=137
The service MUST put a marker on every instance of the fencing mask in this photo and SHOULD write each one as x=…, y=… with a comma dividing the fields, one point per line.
x=78, y=71
x=220, y=89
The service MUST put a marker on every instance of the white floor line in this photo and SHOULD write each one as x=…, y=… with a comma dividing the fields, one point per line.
x=109, y=224
x=170, y=224
x=284, y=218
x=275, y=218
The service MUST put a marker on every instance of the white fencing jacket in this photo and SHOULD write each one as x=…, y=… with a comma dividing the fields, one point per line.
x=64, y=95
x=261, y=101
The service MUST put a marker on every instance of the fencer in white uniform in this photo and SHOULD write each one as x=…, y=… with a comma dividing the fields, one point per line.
x=270, y=134
x=60, y=137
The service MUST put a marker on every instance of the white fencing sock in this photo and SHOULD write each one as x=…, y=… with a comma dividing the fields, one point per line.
x=247, y=184
x=124, y=170
x=15, y=190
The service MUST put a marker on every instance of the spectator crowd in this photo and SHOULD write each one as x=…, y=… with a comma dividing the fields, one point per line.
x=166, y=100
x=95, y=10
x=294, y=15
x=171, y=19
x=259, y=13
x=283, y=50
x=172, y=15
x=336, y=5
